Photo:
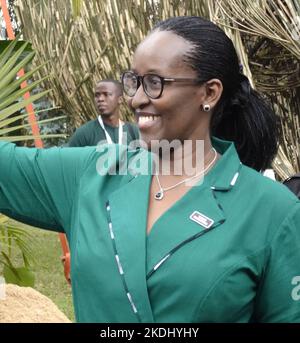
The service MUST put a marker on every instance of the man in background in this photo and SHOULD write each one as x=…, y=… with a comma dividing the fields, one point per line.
x=108, y=127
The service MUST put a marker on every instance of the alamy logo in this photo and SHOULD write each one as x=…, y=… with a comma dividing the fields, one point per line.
x=167, y=158
x=296, y=290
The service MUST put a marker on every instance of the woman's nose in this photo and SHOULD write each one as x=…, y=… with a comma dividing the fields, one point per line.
x=140, y=98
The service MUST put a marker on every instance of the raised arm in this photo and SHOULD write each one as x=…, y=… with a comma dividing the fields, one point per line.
x=38, y=186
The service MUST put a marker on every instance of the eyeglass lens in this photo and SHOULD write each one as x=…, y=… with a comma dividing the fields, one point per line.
x=152, y=84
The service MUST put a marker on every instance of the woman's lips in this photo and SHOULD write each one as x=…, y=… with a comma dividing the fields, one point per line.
x=147, y=120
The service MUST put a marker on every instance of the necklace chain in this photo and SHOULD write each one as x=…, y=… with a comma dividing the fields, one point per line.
x=160, y=194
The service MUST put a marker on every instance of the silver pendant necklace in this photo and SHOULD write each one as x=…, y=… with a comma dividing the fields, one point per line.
x=160, y=194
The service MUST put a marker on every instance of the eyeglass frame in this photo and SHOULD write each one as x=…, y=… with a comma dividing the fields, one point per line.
x=140, y=80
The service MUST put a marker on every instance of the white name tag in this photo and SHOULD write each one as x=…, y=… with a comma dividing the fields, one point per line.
x=201, y=219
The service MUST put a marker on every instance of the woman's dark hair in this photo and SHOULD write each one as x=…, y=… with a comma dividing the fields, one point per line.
x=241, y=115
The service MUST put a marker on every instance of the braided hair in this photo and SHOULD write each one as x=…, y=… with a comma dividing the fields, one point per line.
x=241, y=115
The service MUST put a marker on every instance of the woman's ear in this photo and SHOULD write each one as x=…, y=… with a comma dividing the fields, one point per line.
x=214, y=90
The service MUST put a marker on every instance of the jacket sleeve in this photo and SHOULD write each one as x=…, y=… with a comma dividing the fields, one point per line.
x=278, y=298
x=38, y=186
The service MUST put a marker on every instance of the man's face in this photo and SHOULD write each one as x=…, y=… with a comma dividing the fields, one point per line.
x=107, y=98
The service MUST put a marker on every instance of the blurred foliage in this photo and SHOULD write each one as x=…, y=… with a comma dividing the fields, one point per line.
x=14, y=240
x=13, y=99
x=13, y=58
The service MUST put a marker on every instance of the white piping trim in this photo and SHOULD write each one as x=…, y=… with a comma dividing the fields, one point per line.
x=233, y=181
x=119, y=265
x=161, y=262
x=111, y=231
x=132, y=303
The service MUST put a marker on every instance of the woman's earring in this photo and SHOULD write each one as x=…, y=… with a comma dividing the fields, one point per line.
x=206, y=107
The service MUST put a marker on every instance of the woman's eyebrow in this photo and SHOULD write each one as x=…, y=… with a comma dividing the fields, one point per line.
x=149, y=71
x=154, y=71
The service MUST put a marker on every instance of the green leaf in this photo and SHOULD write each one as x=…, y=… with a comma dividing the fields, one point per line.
x=16, y=84
x=7, y=52
x=9, y=71
x=11, y=120
x=16, y=107
x=18, y=94
x=40, y=122
x=14, y=239
x=21, y=276
x=11, y=62
x=18, y=43
x=12, y=59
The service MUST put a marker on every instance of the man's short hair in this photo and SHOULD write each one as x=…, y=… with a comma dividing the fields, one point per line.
x=115, y=82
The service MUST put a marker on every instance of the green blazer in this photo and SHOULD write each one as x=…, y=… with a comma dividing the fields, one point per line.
x=227, y=251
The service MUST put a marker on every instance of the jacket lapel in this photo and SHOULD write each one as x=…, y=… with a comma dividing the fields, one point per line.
x=128, y=212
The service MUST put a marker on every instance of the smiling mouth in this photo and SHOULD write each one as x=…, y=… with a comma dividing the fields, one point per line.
x=146, y=120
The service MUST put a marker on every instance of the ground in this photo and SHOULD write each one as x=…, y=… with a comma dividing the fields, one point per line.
x=48, y=270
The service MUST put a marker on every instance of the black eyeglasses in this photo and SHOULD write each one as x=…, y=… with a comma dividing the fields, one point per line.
x=153, y=84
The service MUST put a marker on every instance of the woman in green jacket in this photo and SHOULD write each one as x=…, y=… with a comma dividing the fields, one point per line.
x=178, y=247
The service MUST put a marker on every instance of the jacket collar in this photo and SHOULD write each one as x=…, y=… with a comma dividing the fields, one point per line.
x=225, y=174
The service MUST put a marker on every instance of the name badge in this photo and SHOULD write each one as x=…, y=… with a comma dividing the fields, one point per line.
x=201, y=219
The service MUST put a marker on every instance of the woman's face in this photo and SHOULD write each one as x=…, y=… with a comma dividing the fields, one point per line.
x=177, y=113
